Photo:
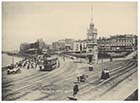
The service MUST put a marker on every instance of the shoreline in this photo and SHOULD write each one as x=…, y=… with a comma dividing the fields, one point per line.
x=8, y=56
x=18, y=54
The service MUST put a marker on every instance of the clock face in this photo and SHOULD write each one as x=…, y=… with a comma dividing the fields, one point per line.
x=90, y=37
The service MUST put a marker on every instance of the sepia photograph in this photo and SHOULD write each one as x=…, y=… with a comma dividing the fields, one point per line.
x=69, y=51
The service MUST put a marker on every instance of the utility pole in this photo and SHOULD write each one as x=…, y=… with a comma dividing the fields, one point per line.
x=102, y=54
x=12, y=60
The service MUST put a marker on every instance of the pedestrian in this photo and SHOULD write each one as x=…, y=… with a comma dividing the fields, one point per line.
x=63, y=57
x=78, y=78
x=90, y=67
x=75, y=88
x=32, y=65
x=28, y=65
x=58, y=63
x=110, y=58
x=102, y=74
x=107, y=74
x=24, y=64
x=20, y=64
x=35, y=64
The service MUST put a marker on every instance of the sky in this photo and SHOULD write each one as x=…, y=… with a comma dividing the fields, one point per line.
x=27, y=21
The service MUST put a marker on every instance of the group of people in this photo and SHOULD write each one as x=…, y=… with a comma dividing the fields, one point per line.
x=82, y=78
x=30, y=63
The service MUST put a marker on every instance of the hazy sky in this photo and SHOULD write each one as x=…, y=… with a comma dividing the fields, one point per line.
x=28, y=21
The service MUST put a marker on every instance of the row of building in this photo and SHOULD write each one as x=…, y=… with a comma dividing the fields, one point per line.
x=64, y=44
x=127, y=42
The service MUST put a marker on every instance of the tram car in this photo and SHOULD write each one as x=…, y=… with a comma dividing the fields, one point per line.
x=48, y=64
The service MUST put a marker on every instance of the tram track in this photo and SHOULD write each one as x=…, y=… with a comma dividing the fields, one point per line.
x=26, y=87
x=61, y=81
x=67, y=74
x=33, y=75
x=97, y=72
x=117, y=77
x=60, y=96
x=27, y=79
x=84, y=86
x=96, y=82
x=5, y=84
x=111, y=84
x=38, y=75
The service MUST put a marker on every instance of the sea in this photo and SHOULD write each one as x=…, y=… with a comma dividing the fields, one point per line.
x=7, y=60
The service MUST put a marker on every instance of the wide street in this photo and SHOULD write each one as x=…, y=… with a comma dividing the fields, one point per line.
x=57, y=84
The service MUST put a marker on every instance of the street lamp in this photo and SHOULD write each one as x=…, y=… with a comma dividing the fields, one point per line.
x=80, y=50
x=12, y=60
x=102, y=51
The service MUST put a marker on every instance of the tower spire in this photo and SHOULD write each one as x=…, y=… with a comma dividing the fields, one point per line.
x=91, y=13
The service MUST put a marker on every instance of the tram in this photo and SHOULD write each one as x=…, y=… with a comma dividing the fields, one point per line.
x=48, y=64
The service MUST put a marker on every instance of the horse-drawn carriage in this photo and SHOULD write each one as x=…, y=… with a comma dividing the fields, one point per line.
x=105, y=74
x=12, y=69
x=82, y=77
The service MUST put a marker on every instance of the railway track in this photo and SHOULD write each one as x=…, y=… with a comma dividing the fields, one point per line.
x=70, y=80
x=62, y=97
x=84, y=87
x=57, y=76
x=96, y=73
x=51, y=75
x=97, y=82
x=70, y=77
x=109, y=84
x=37, y=76
x=23, y=80
x=31, y=75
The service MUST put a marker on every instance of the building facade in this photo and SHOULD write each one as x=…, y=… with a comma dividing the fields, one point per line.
x=58, y=45
x=64, y=45
x=118, y=43
x=33, y=48
x=80, y=46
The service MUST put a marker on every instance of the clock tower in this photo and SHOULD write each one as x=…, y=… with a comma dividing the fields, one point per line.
x=92, y=50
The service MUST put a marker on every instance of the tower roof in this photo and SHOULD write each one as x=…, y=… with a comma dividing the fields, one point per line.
x=91, y=22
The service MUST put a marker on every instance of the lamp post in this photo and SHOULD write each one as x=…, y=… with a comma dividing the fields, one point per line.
x=80, y=51
x=102, y=54
x=12, y=60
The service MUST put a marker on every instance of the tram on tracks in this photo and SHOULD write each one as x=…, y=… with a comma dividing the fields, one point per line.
x=48, y=64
